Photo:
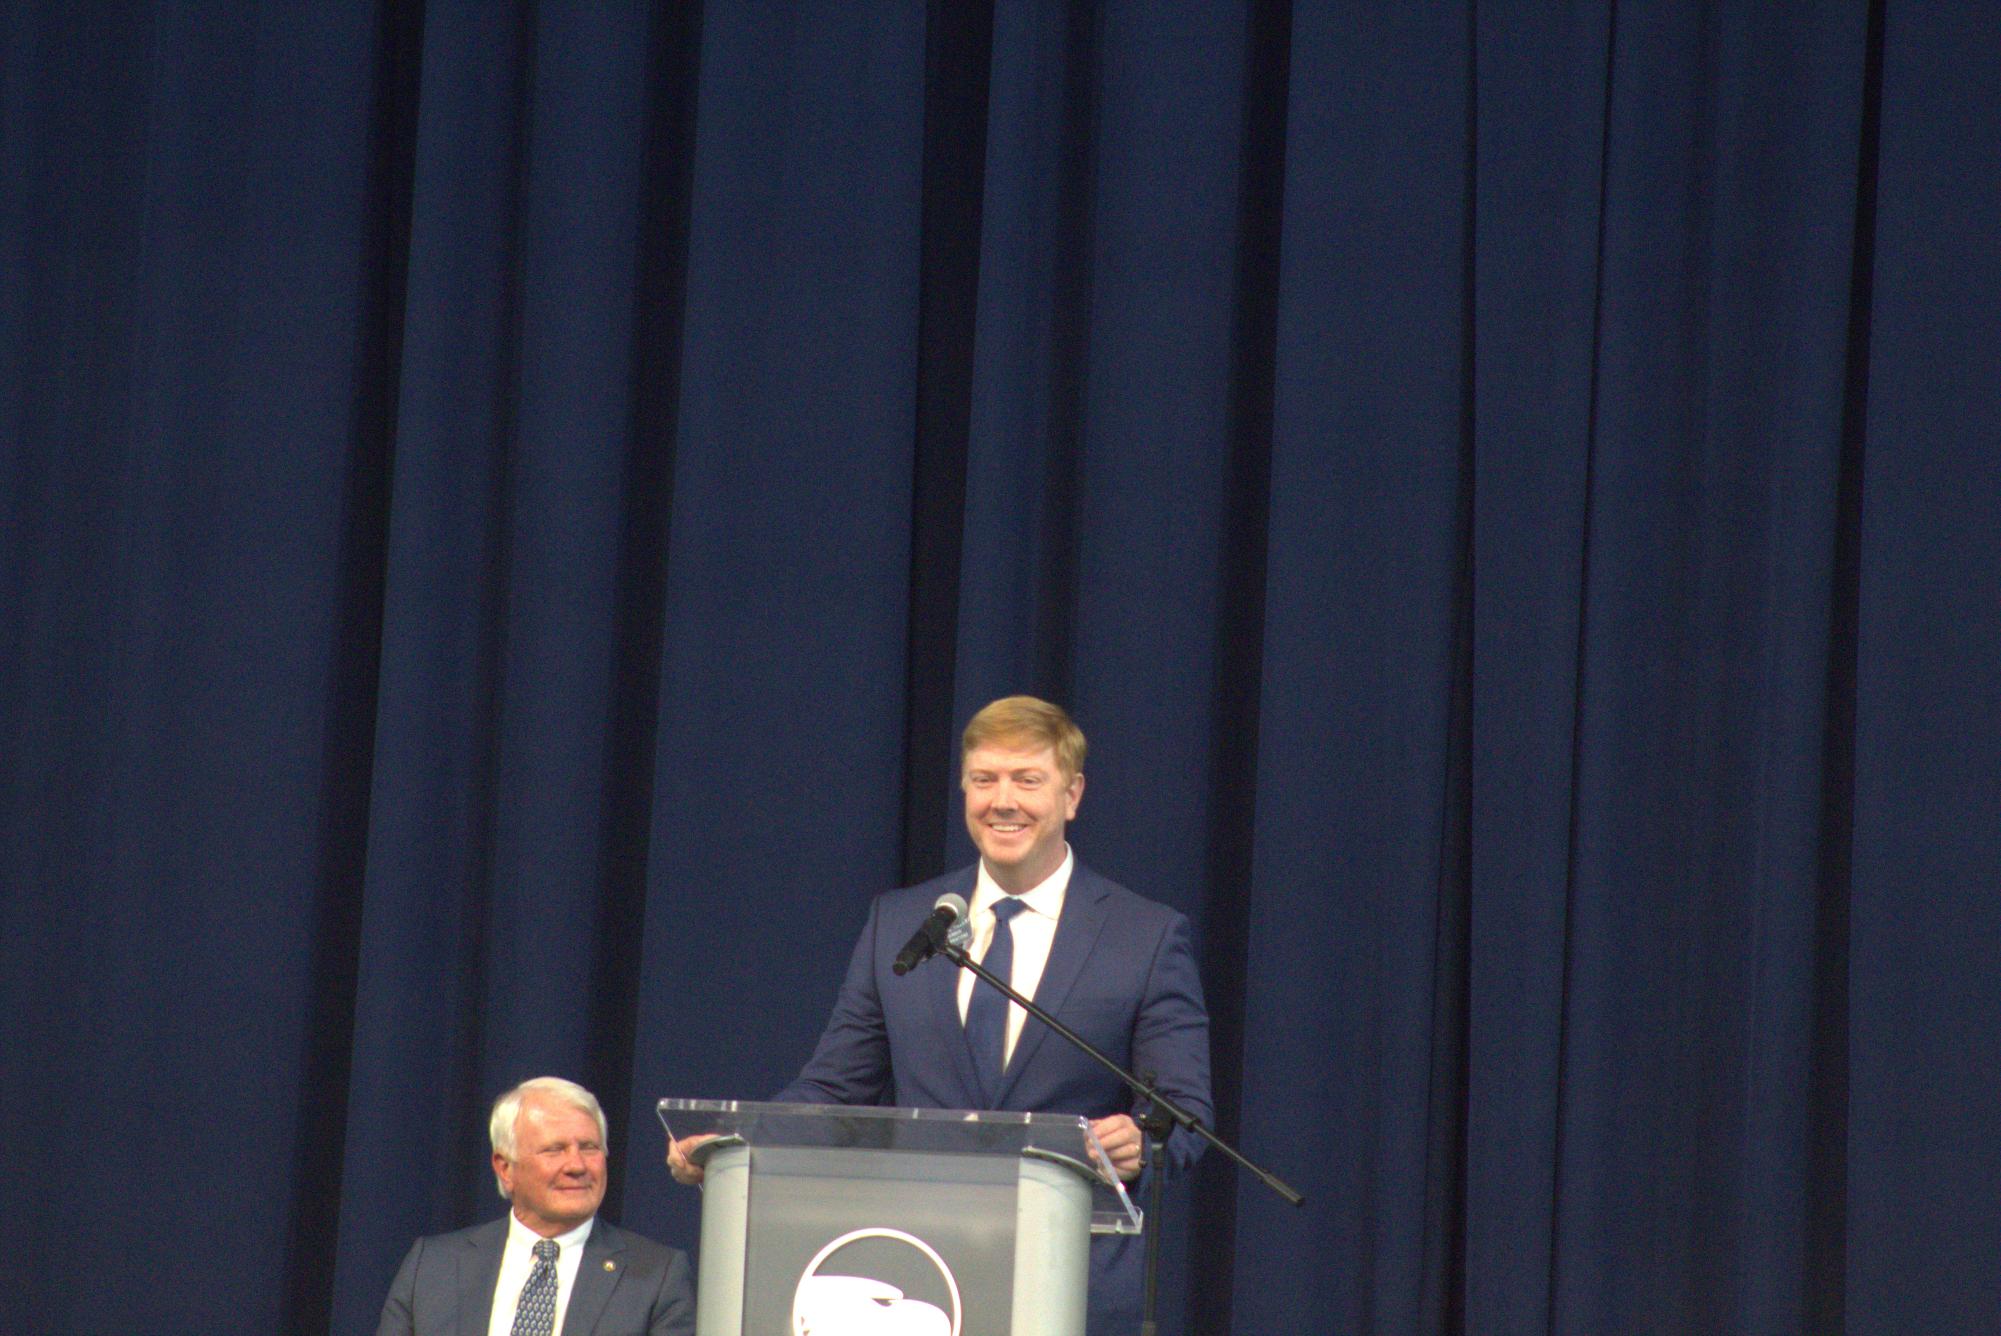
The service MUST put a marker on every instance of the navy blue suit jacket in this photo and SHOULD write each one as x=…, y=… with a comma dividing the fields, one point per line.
x=445, y=1286
x=1121, y=973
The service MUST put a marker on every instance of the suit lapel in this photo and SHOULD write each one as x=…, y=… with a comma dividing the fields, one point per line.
x=943, y=986
x=479, y=1272
x=597, y=1276
x=1076, y=937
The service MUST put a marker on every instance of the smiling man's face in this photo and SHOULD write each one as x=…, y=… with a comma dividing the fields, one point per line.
x=557, y=1175
x=1017, y=802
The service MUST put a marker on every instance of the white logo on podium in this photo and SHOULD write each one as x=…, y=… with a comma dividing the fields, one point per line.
x=837, y=1305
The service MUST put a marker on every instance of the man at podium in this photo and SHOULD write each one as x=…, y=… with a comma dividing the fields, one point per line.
x=1115, y=967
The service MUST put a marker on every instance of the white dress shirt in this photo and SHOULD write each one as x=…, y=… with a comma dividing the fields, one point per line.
x=517, y=1260
x=1033, y=931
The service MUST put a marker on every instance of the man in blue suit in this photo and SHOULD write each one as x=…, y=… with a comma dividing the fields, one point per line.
x=551, y=1268
x=1118, y=969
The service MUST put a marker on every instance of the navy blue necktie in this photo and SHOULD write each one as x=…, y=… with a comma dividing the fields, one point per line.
x=535, y=1314
x=986, y=1013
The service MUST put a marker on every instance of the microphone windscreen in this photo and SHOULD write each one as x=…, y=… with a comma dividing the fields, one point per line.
x=960, y=933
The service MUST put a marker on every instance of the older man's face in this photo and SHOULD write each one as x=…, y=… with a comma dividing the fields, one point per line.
x=557, y=1176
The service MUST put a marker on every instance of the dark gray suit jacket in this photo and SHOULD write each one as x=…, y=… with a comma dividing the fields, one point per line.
x=627, y=1285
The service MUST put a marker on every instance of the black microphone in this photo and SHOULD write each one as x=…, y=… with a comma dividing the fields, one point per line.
x=923, y=944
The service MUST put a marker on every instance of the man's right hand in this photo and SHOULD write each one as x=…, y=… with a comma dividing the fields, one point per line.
x=684, y=1169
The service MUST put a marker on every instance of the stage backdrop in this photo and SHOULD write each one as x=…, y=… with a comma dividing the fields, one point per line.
x=504, y=507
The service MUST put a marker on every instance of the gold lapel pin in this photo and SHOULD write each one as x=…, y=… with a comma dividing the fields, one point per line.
x=610, y=1265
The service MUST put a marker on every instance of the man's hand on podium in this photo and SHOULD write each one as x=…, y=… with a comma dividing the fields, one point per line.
x=684, y=1169
x=1120, y=1137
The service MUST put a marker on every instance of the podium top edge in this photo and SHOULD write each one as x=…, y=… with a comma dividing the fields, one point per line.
x=1001, y=1117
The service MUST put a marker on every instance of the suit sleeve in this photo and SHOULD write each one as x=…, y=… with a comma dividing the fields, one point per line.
x=851, y=1063
x=398, y=1309
x=1171, y=1038
x=674, y=1306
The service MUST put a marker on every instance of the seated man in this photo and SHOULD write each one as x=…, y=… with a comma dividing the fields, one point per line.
x=551, y=1266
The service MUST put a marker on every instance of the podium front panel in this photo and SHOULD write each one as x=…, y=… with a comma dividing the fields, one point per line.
x=821, y=1222
x=846, y=1235
x=864, y=1242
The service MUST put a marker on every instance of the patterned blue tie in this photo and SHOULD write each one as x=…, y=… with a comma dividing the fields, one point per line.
x=986, y=1013
x=535, y=1314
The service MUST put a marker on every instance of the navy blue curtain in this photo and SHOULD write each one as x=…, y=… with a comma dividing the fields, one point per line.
x=503, y=508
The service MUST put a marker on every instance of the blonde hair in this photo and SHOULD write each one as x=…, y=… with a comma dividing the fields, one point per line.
x=1024, y=719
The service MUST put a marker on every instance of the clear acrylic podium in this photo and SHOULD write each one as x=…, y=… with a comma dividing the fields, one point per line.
x=824, y=1220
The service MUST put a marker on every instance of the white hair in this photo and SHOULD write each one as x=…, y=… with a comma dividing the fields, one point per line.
x=507, y=1109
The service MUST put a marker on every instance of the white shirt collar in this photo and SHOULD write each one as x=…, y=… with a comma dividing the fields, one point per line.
x=520, y=1236
x=1045, y=898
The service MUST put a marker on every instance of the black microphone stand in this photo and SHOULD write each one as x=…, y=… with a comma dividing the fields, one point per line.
x=1162, y=1113
x=1156, y=1124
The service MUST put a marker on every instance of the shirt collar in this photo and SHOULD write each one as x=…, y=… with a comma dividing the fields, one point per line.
x=1045, y=899
x=520, y=1236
